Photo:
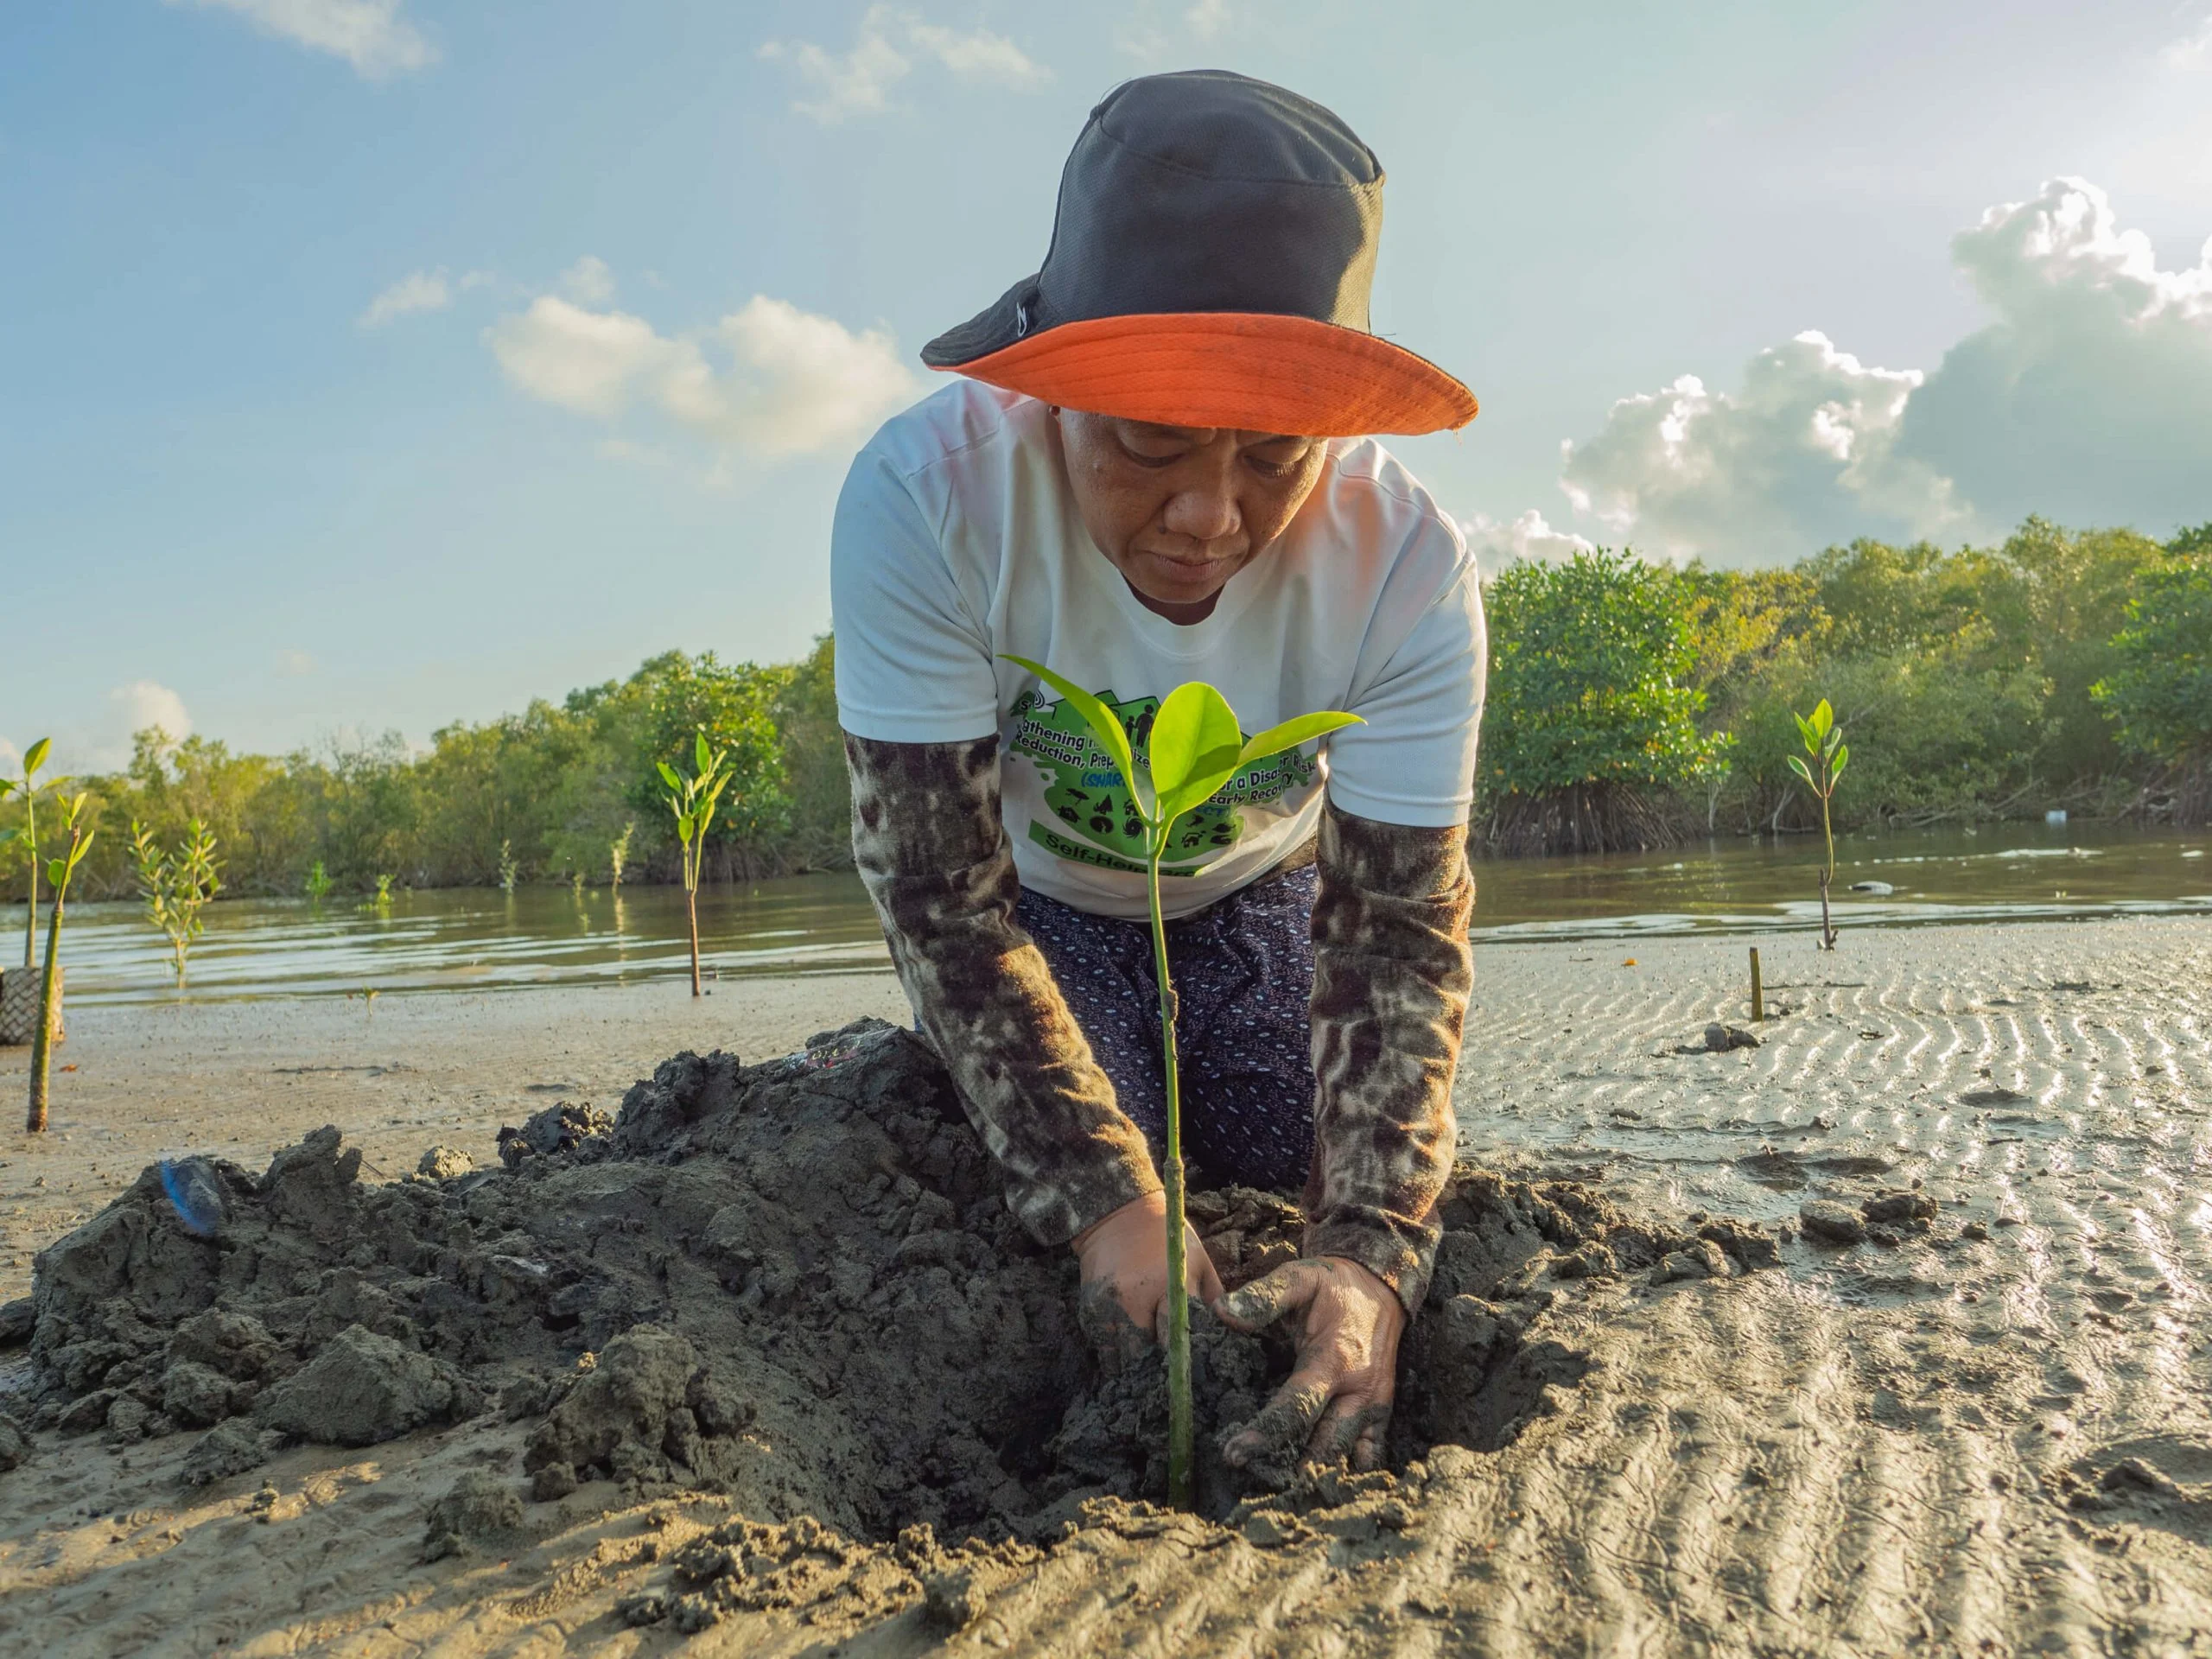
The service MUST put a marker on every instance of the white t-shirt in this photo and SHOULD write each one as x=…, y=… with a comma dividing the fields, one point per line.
x=957, y=542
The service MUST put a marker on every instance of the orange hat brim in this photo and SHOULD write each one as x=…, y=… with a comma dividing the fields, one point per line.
x=1248, y=371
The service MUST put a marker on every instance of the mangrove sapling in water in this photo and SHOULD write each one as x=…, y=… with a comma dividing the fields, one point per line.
x=29, y=787
x=1196, y=746
x=509, y=869
x=617, y=853
x=1829, y=754
x=319, y=883
x=58, y=872
x=176, y=887
x=692, y=800
x=382, y=902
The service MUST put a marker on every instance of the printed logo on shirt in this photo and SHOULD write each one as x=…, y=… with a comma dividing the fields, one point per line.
x=1098, y=821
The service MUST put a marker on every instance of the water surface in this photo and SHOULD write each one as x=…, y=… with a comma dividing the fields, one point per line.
x=482, y=939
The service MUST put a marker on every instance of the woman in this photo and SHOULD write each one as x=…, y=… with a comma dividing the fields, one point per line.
x=1153, y=472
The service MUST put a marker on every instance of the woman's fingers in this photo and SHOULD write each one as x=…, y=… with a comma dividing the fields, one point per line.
x=1284, y=1423
x=1352, y=1430
x=1260, y=1304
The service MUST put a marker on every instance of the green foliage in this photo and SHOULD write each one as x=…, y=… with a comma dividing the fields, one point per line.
x=58, y=873
x=617, y=853
x=1195, y=747
x=319, y=883
x=510, y=870
x=556, y=784
x=23, y=839
x=1818, y=768
x=691, y=801
x=1591, y=662
x=380, y=901
x=176, y=887
x=2159, y=691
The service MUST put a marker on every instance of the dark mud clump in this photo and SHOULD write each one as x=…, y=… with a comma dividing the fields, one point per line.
x=795, y=1283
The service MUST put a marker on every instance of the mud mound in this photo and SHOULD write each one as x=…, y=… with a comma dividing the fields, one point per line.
x=796, y=1283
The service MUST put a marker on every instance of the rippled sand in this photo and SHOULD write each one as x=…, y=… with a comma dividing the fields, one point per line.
x=1954, y=1444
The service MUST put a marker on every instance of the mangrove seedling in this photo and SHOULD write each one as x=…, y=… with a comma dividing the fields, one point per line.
x=1195, y=747
x=176, y=885
x=319, y=883
x=692, y=800
x=508, y=868
x=382, y=902
x=1823, y=762
x=618, y=853
x=58, y=873
x=29, y=787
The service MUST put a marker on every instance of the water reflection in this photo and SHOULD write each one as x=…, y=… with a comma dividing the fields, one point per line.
x=476, y=938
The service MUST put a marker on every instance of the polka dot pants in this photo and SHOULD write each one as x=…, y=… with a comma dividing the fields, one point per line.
x=1243, y=975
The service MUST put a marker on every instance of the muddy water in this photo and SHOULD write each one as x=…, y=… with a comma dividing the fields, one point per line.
x=483, y=939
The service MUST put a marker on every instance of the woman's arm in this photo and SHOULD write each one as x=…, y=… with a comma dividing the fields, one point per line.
x=1391, y=975
x=933, y=852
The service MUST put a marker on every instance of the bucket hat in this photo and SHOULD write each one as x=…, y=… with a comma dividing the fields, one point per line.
x=1211, y=264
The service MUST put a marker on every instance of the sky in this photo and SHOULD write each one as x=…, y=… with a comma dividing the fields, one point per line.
x=371, y=364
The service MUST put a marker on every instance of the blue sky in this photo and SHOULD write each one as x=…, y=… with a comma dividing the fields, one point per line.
x=369, y=363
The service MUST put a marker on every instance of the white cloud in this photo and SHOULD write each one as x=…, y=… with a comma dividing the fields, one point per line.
x=1208, y=19
x=2087, y=398
x=589, y=281
x=1496, y=545
x=1154, y=29
x=788, y=382
x=2192, y=50
x=371, y=35
x=859, y=81
x=1766, y=472
x=419, y=290
x=102, y=744
x=294, y=662
x=144, y=703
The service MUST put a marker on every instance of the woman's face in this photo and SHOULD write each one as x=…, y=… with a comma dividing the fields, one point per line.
x=1180, y=510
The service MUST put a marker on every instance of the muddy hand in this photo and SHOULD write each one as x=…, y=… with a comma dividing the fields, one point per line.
x=1338, y=1399
x=1124, y=1260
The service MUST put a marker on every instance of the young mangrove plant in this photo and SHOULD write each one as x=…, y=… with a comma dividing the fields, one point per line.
x=29, y=787
x=1195, y=747
x=1823, y=762
x=382, y=902
x=617, y=853
x=58, y=873
x=176, y=885
x=319, y=883
x=692, y=800
x=509, y=869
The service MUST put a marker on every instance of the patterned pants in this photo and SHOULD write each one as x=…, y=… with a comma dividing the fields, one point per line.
x=1243, y=975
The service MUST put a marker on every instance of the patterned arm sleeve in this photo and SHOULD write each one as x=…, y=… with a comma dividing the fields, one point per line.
x=933, y=852
x=1391, y=975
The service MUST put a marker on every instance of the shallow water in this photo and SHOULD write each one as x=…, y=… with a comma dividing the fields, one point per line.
x=482, y=939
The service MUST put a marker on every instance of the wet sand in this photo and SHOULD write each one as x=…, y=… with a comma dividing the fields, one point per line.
x=1951, y=1443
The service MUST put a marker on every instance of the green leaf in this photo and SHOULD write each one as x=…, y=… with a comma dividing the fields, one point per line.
x=1292, y=733
x=684, y=821
x=1100, y=718
x=1836, y=766
x=1823, y=717
x=56, y=873
x=77, y=852
x=1194, y=748
x=1798, y=766
x=34, y=756
x=700, y=754
x=667, y=775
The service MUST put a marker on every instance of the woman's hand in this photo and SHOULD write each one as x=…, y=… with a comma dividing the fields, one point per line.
x=1124, y=1257
x=1338, y=1399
